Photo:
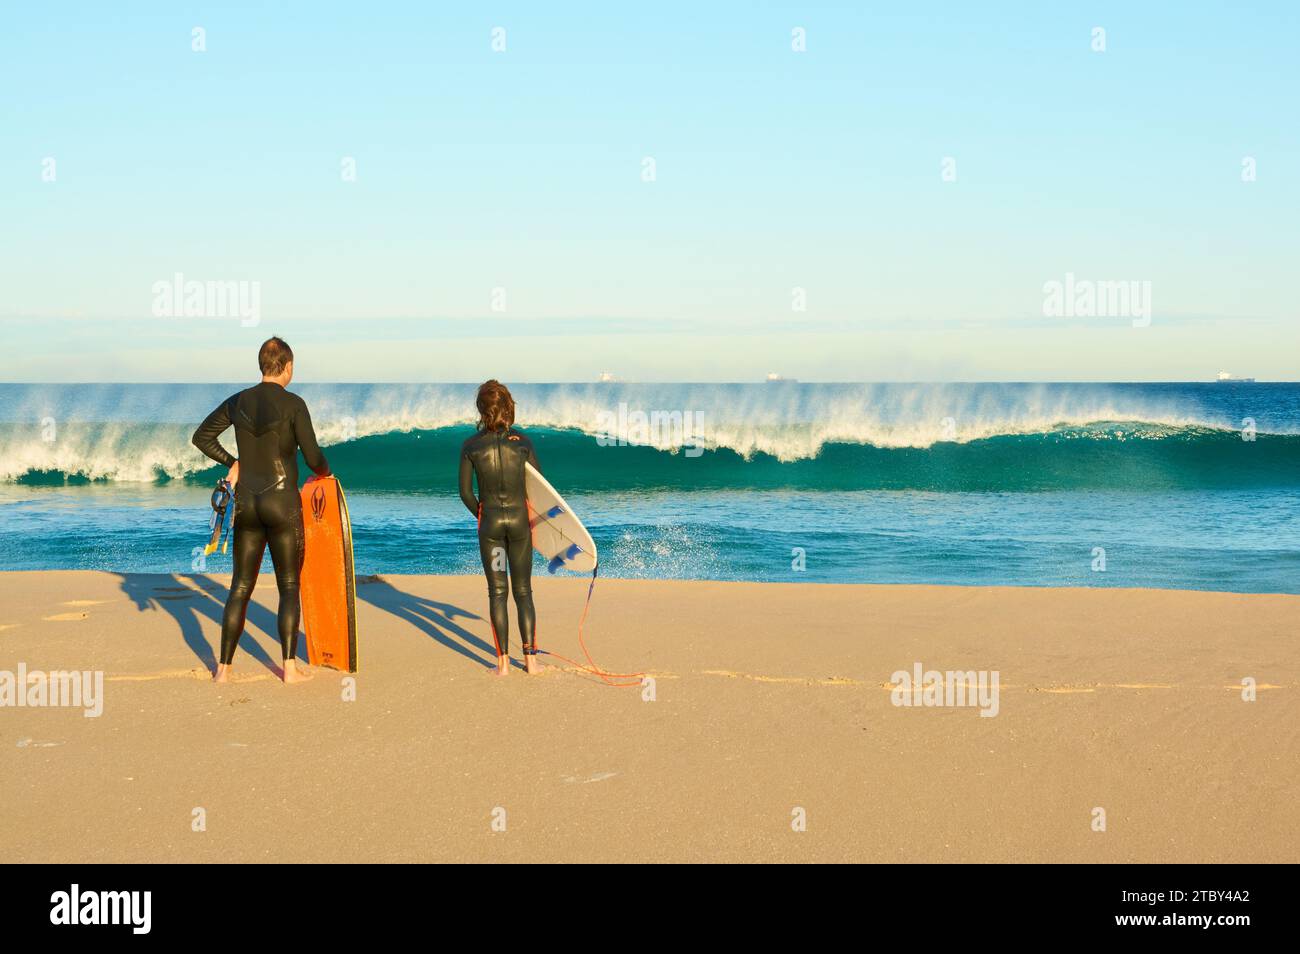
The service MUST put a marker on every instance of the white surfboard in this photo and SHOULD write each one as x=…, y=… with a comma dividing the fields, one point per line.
x=558, y=534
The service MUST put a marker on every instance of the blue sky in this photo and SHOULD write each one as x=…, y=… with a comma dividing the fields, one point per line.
x=522, y=170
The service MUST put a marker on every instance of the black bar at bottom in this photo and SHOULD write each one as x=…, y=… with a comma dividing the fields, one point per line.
x=1175, y=902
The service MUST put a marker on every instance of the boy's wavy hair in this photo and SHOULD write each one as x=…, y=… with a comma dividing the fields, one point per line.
x=496, y=408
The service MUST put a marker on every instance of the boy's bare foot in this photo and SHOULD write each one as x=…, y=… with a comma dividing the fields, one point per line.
x=532, y=664
x=503, y=666
x=223, y=673
x=294, y=671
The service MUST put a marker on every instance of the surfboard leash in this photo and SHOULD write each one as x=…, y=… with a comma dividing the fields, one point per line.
x=606, y=677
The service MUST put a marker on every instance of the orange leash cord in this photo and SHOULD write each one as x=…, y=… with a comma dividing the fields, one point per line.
x=606, y=677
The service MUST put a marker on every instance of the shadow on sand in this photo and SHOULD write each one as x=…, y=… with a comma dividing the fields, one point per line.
x=191, y=599
x=435, y=619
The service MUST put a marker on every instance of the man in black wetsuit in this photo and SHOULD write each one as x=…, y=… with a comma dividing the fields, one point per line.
x=270, y=426
x=497, y=454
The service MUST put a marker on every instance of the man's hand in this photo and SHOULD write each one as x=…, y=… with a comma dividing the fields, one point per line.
x=233, y=477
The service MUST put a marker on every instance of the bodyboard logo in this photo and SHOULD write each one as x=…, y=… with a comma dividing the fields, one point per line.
x=318, y=503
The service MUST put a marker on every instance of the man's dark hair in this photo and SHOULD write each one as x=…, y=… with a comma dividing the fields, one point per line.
x=274, y=356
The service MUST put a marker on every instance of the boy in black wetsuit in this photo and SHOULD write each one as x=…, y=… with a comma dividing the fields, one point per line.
x=496, y=455
x=270, y=426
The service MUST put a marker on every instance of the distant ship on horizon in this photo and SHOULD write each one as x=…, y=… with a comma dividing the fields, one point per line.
x=775, y=378
x=1225, y=377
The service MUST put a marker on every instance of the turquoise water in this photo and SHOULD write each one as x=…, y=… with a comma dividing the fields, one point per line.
x=1165, y=485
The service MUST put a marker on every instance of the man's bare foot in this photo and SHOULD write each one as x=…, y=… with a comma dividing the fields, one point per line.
x=223, y=673
x=532, y=664
x=503, y=666
x=295, y=671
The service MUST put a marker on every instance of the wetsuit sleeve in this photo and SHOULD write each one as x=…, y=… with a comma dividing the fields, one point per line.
x=532, y=457
x=305, y=434
x=467, y=484
x=205, y=438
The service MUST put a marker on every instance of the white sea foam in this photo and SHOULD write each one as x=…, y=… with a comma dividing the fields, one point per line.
x=121, y=435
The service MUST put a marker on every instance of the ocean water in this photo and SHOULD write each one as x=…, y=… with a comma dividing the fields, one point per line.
x=1155, y=485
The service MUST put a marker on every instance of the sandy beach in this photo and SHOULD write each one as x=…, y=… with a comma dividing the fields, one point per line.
x=767, y=699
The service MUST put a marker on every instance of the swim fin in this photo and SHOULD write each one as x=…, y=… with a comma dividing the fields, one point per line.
x=218, y=522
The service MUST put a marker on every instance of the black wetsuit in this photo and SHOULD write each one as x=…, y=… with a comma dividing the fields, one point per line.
x=270, y=426
x=504, y=535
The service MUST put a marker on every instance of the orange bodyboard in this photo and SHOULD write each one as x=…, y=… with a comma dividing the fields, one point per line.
x=329, y=583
